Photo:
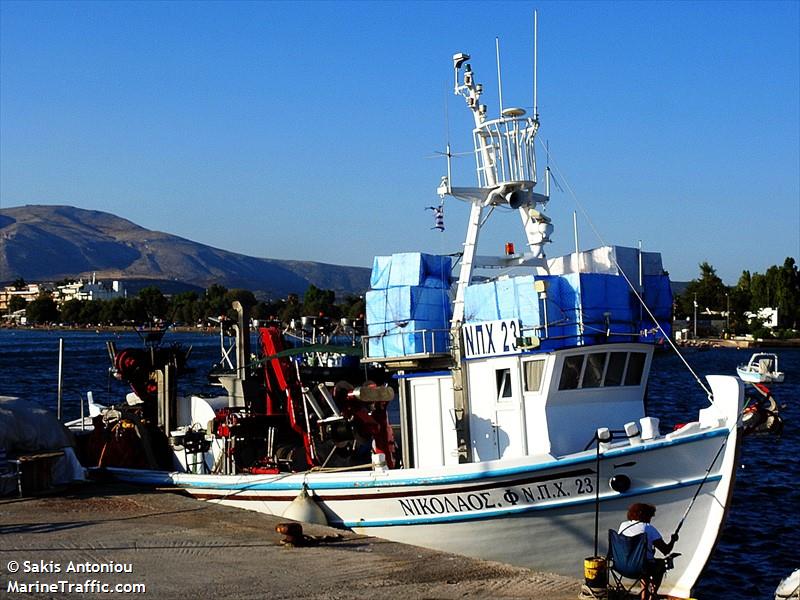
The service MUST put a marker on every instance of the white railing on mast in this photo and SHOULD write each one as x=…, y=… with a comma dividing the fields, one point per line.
x=504, y=150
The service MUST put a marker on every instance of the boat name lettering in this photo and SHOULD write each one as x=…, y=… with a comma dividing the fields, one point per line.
x=442, y=504
x=491, y=338
x=584, y=485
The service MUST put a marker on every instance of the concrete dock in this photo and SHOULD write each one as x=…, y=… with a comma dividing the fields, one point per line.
x=104, y=540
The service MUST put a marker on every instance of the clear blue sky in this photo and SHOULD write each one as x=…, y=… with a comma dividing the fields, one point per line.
x=303, y=130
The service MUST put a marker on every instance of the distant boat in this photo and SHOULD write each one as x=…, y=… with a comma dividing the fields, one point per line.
x=762, y=368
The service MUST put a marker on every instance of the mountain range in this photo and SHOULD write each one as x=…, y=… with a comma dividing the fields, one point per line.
x=49, y=243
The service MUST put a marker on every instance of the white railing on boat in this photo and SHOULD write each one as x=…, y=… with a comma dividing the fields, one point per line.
x=509, y=156
x=410, y=343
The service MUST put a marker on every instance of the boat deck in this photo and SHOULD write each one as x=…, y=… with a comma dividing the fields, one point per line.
x=181, y=548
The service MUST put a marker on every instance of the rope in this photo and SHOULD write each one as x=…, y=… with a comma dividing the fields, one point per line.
x=338, y=469
x=588, y=593
x=628, y=281
x=597, y=494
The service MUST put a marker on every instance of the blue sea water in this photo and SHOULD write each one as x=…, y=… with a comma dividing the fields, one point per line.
x=756, y=549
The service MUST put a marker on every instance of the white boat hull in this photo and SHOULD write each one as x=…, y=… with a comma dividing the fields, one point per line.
x=533, y=512
x=749, y=376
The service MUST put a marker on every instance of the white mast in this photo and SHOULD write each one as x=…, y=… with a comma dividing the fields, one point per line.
x=575, y=229
x=535, y=63
x=499, y=78
x=506, y=168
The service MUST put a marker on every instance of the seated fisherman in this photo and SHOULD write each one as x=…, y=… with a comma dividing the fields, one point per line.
x=639, y=516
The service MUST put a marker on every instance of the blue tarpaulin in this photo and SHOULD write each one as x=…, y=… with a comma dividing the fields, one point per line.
x=602, y=303
x=411, y=268
x=408, y=302
x=409, y=307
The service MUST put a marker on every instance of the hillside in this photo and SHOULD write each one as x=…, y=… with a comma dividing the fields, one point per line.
x=48, y=243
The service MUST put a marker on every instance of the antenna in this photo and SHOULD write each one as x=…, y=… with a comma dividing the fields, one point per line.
x=575, y=232
x=499, y=80
x=447, y=140
x=547, y=170
x=535, y=62
x=448, y=151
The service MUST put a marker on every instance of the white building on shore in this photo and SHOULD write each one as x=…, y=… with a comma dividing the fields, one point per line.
x=89, y=290
x=767, y=315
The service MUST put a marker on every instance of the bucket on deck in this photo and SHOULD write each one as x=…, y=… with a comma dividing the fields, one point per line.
x=594, y=571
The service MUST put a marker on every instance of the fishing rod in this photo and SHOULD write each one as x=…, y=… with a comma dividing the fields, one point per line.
x=697, y=493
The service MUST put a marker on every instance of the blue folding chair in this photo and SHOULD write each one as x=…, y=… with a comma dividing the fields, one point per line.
x=627, y=557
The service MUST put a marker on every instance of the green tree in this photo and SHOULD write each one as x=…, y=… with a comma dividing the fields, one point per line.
x=71, y=311
x=743, y=285
x=154, y=302
x=292, y=308
x=90, y=313
x=42, y=310
x=113, y=312
x=354, y=307
x=246, y=297
x=19, y=283
x=269, y=310
x=185, y=308
x=135, y=311
x=760, y=294
x=317, y=302
x=708, y=290
x=786, y=280
x=215, y=303
x=778, y=287
x=16, y=303
x=739, y=302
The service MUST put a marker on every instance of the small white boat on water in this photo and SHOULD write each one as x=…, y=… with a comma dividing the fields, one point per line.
x=523, y=436
x=761, y=368
x=789, y=588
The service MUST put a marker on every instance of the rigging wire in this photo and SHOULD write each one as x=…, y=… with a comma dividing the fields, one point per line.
x=625, y=276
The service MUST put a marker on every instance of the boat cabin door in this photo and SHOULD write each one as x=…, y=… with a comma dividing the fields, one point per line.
x=496, y=409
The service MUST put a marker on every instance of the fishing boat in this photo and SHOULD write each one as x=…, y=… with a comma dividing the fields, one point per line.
x=522, y=433
x=761, y=368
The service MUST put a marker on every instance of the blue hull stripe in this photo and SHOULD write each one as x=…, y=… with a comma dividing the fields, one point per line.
x=441, y=480
x=256, y=483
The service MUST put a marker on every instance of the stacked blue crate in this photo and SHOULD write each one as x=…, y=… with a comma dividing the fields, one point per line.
x=512, y=298
x=562, y=311
x=608, y=306
x=603, y=303
x=408, y=307
x=658, y=297
x=480, y=303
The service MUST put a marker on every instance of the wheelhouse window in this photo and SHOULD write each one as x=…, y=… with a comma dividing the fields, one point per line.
x=595, y=365
x=534, y=373
x=616, y=368
x=571, y=373
x=503, y=378
x=601, y=369
x=635, y=368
